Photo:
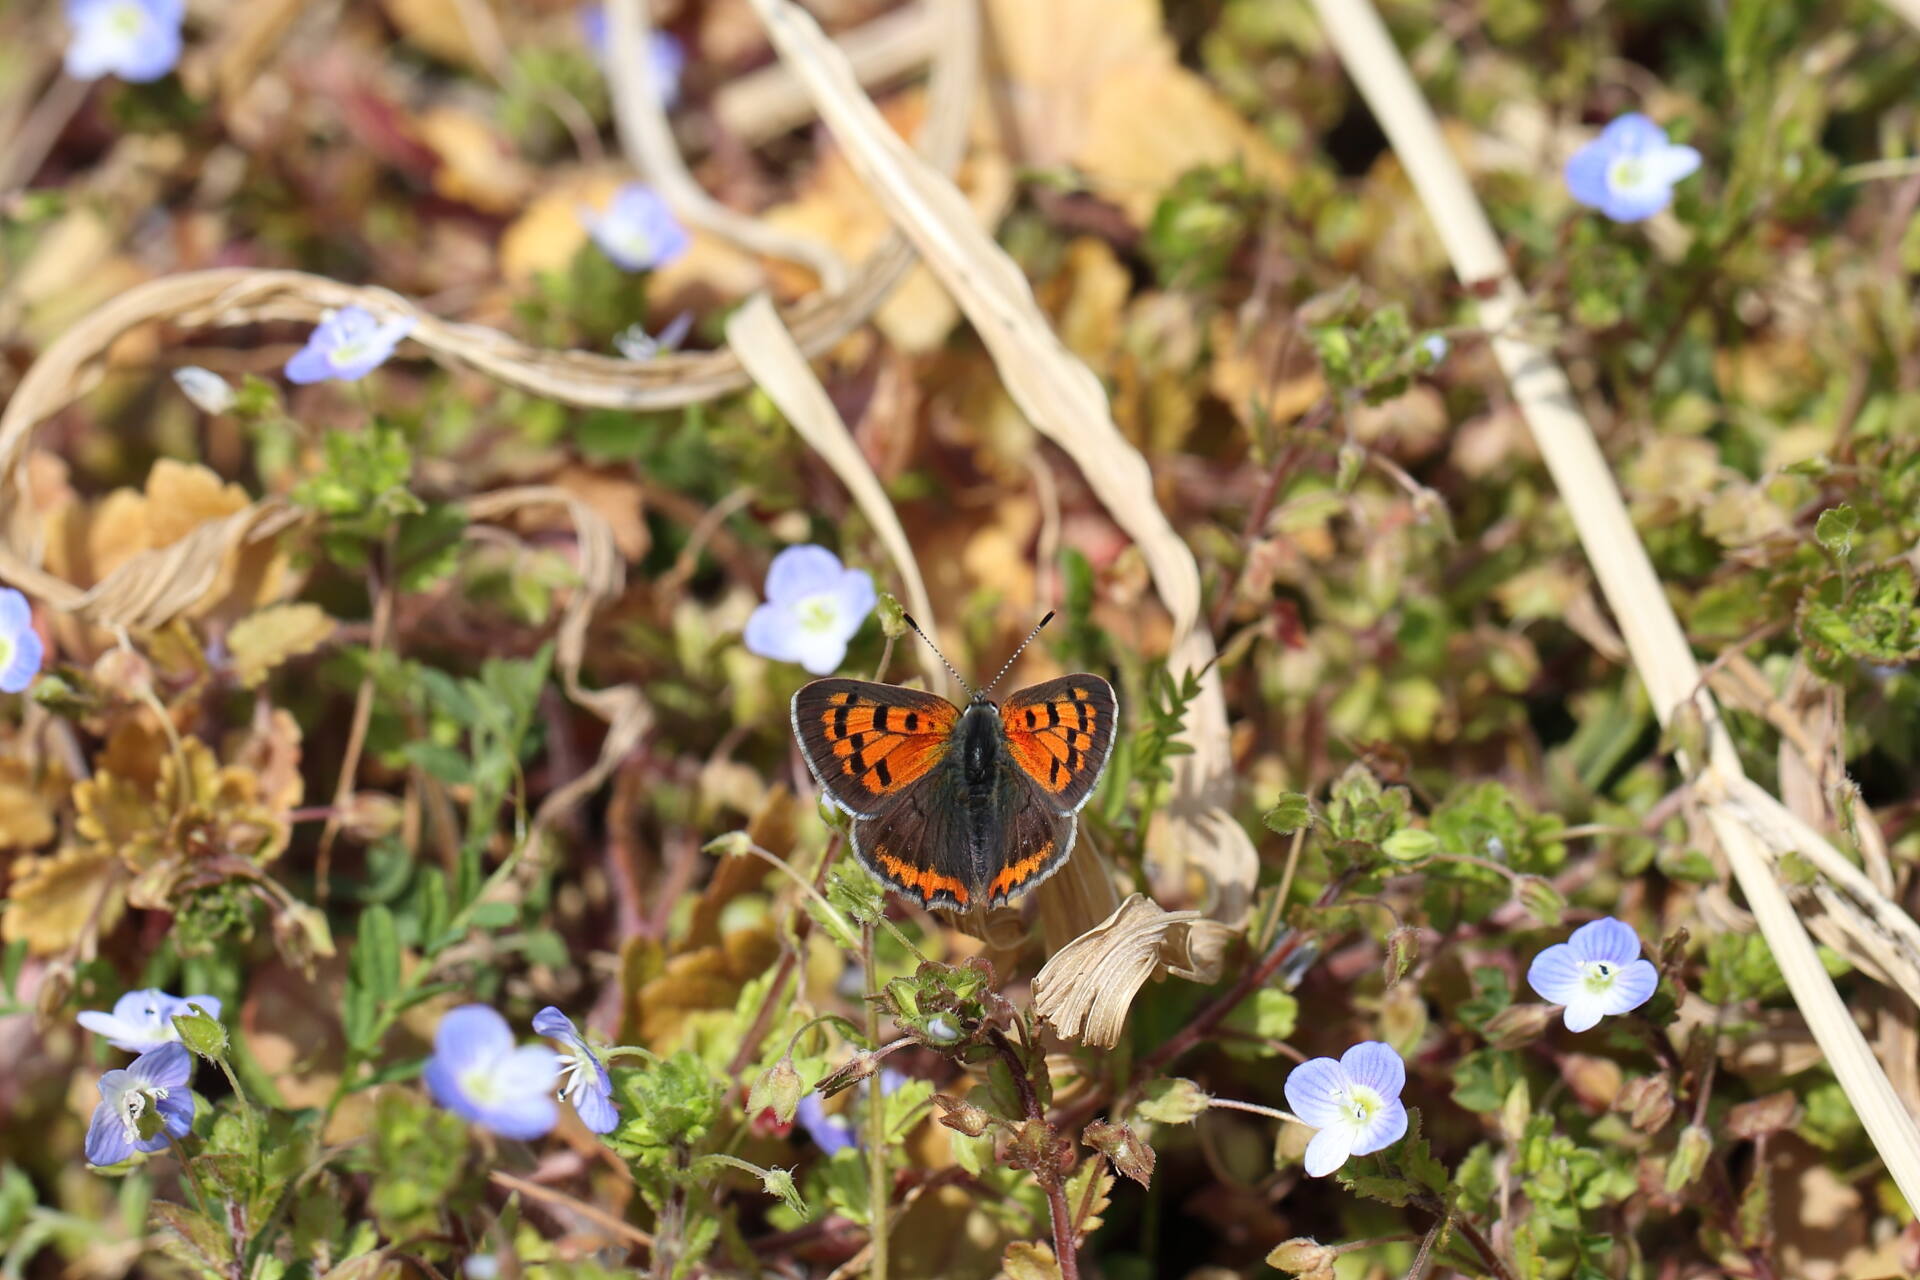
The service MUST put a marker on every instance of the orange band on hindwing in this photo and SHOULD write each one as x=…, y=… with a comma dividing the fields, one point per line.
x=924, y=881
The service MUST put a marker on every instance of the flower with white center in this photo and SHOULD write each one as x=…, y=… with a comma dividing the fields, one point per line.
x=143, y=1106
x=637, y=230
x=814, y=606
x=1596, y=972
x=137, y=40
x=209, y=392
x=1629, y=171
x=348, y=344
x=583, y=1076
x=477, y=1072
x=143, y=1020
x=635, y=343
x=21, y=649
x=1353, y=1103
x=1434, y=346
x=666, y=56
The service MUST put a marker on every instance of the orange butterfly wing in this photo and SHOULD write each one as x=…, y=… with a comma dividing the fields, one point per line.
x=867, y=743
x=1060, y=733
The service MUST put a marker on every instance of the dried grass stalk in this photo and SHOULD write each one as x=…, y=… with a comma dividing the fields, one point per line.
x=776, y=364
x=1658, y=646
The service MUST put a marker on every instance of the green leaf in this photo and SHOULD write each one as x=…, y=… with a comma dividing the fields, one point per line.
x=1835, y=528
x=1293, y=812
x=1174, y=1101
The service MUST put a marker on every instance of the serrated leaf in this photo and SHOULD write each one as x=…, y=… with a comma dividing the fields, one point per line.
x=262, y=641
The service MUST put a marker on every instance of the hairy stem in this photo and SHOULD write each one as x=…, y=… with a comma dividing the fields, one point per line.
x=1065, y=1251
x=879, y=1180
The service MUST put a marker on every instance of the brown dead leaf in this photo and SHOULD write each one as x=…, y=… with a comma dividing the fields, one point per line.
x=1096, y=85
x=59, y=900
x=477, y=166
x=264, y=640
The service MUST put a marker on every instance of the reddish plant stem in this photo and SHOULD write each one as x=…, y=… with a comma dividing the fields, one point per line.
x=1065, y=1252
x=789, y=961
x=1263, y=507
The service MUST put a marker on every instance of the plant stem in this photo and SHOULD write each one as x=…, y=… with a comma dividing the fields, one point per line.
x=879, y=1181
x=1065, y=1252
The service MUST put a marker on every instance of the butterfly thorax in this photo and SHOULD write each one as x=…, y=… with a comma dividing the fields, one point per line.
x=980, y=736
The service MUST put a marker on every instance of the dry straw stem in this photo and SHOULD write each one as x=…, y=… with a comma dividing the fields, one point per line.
x=781, y=370
x=640, y=112
x=1658, y=646
x=1064, y=401
x=769, y=101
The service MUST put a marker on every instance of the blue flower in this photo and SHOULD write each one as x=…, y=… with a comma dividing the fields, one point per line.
x=1628, y=172
x=637, y=230
x=1596, y=972
x=143, y=1020
x=142, y=1106
x=20, y=647
x=666, y=54
x=583, y=1076
x=814, y=606
x=137, y=40
x=1353, y=1103
x=834, y=1132
x=477, y=1072
x=347, y=344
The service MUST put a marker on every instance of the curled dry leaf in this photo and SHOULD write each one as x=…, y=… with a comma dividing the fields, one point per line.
x=1085, y=990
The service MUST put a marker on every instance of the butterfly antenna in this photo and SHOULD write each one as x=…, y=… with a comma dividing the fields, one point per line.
x=1017, y=652
x=957, y=677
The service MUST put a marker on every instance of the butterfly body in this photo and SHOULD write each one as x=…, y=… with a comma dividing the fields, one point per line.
x=958, y=808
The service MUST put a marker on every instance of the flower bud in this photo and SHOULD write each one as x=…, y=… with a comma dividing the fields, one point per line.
x=1403, y=946
x=209, y=392
x=1540, y=899
x=942, y=1030
x=202, y=1034
x=1648, y=1103
x=962, y=1116
x=1117, y=1143
x=733, y=844
x=779, y=1183
x=1595, y=1081
x=1303, y=1256
x=1517, y=1025
x=1516, y=1110
x=1689, y=1157
x=778, y=1089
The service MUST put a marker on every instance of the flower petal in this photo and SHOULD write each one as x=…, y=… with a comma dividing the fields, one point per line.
x=1316, y=1090
x=771, y=632
x=209, y=1004
x=443, y=1082
x=801, y=571
x=107, y=1137
x=524, y=1118
x=1586, y=174
x=117, y=1031
x=177, y=1107
x=819, y=652
x=1638, y=204
x=1606, y=939
x=855, y=597
x=1633, y=986
x=534, y=1069
x=16, y=614
x=471, y=1034
x=1670, y=164
x=1386, y=1127
x=829, y=1133
x=1329, y=1149
x=169, y=1066
x=308, y=365
x=1374, y=1063
x=552, y=1023
x=1558, y=974
x=1584, y=1011
x=596, y=1110
x=1633, y=134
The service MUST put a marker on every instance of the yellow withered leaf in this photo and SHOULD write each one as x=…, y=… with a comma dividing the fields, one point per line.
x=59, y=898
x=262, y=641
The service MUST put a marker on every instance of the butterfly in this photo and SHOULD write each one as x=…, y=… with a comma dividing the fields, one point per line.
x=958, y=808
